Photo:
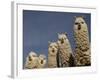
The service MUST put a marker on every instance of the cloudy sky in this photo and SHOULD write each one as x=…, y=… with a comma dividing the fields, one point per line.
x=39, y=27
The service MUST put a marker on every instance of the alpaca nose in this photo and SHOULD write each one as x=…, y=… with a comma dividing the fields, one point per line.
x=30, y=59
x=62, y=41
x=41, y=61
x=53, y=50
x=79, y=27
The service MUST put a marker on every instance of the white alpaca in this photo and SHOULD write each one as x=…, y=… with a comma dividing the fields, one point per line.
x=52, y=54
x=65, y=52
x=31, y=61
x=42, y=61
x=82, y=51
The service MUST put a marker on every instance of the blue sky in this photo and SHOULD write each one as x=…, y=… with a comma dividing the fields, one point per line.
x=39, y=27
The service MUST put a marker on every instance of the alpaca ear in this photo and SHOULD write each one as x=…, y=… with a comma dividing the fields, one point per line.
x=82, y=16
x=58, y=34
x=75, y=17
x=49, y=42
x=79, y=16
x=65, y=33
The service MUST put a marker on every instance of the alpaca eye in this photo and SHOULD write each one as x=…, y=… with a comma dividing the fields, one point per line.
x=76, y=23
x=59, y=39
x=82, y=22
x=44, y=58
x=55, y=46
x=49, y=46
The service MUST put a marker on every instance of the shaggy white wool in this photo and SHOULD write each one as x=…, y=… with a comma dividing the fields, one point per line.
x=65, y=50
x=82, y=51
x=52, y=54
x=31, y=61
